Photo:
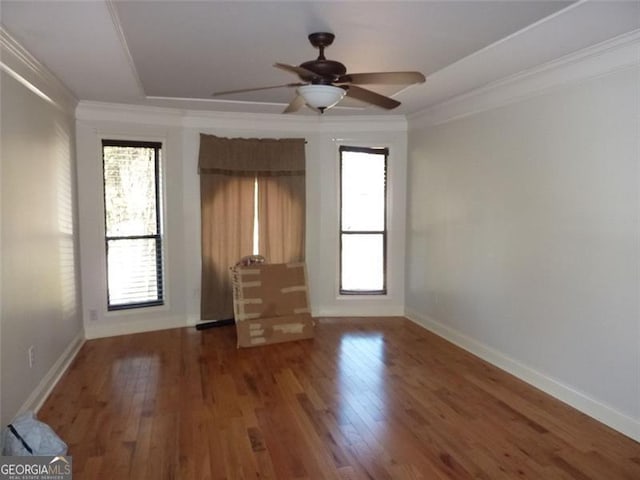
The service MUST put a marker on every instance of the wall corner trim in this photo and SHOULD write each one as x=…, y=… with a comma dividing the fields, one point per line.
x=605, y=57
x=603, y=413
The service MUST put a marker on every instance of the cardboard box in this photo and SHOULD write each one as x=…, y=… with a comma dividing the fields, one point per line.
x=265, y=331
x=270, y=303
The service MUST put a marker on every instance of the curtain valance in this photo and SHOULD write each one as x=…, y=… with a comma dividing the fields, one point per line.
x=251, y=156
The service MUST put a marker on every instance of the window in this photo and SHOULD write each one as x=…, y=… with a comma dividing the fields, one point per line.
x=132, y=223
x=363, y=220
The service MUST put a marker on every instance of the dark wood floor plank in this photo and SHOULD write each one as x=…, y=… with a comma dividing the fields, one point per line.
x=367, y=399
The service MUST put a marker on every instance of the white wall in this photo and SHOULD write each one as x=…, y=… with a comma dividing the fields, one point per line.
x=180, y=131
x=98, y=321
x=39, y=290
x=523, y=240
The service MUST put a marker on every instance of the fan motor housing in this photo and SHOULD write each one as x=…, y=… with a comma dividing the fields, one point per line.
x=329, y=70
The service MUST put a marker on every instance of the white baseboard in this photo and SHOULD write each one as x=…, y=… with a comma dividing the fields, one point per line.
x=193, y=319
x=358, y=311
x=44, y=388
x=112, y=328
x=578, y=400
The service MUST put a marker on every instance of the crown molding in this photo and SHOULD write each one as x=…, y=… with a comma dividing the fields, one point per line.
x=295, y=123
x=128, y=113
x=615, y=54
x=200, y=119
x=17, y=62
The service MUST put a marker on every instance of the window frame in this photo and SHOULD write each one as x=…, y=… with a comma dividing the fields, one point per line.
x=157, y=146
x=384, y=232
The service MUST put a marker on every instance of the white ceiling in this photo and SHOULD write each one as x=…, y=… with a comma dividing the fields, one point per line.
x=176, y=53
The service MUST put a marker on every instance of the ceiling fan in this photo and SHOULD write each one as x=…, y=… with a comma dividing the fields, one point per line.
x=325, y=82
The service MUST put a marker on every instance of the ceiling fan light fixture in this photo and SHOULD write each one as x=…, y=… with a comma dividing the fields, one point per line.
x=321, y=96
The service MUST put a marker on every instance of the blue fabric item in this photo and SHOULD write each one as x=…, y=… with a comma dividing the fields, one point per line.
x=27, y=436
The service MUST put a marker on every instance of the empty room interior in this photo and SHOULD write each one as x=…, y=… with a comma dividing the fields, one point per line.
x=323, y=240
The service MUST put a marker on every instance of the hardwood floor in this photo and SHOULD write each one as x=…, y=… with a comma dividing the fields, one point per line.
x=366, y=399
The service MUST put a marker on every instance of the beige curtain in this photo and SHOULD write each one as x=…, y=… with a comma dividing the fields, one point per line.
x=227, y=235
x=228, y=170
x=281, y=218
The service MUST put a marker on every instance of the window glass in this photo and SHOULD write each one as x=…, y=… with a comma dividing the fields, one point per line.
x=363, y=220
x=130, y=190
x=132, y=224
x=363, y=191
x=132, y=271
x=363, y=262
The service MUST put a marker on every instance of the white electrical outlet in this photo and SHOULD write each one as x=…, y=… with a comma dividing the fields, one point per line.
x=93, y=315
x=32, y=355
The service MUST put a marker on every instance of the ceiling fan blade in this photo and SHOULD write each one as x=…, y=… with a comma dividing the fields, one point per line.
x=383, y=78
x=296, y=104
x=301, y=72
x=370, y=97
x=227, y=92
